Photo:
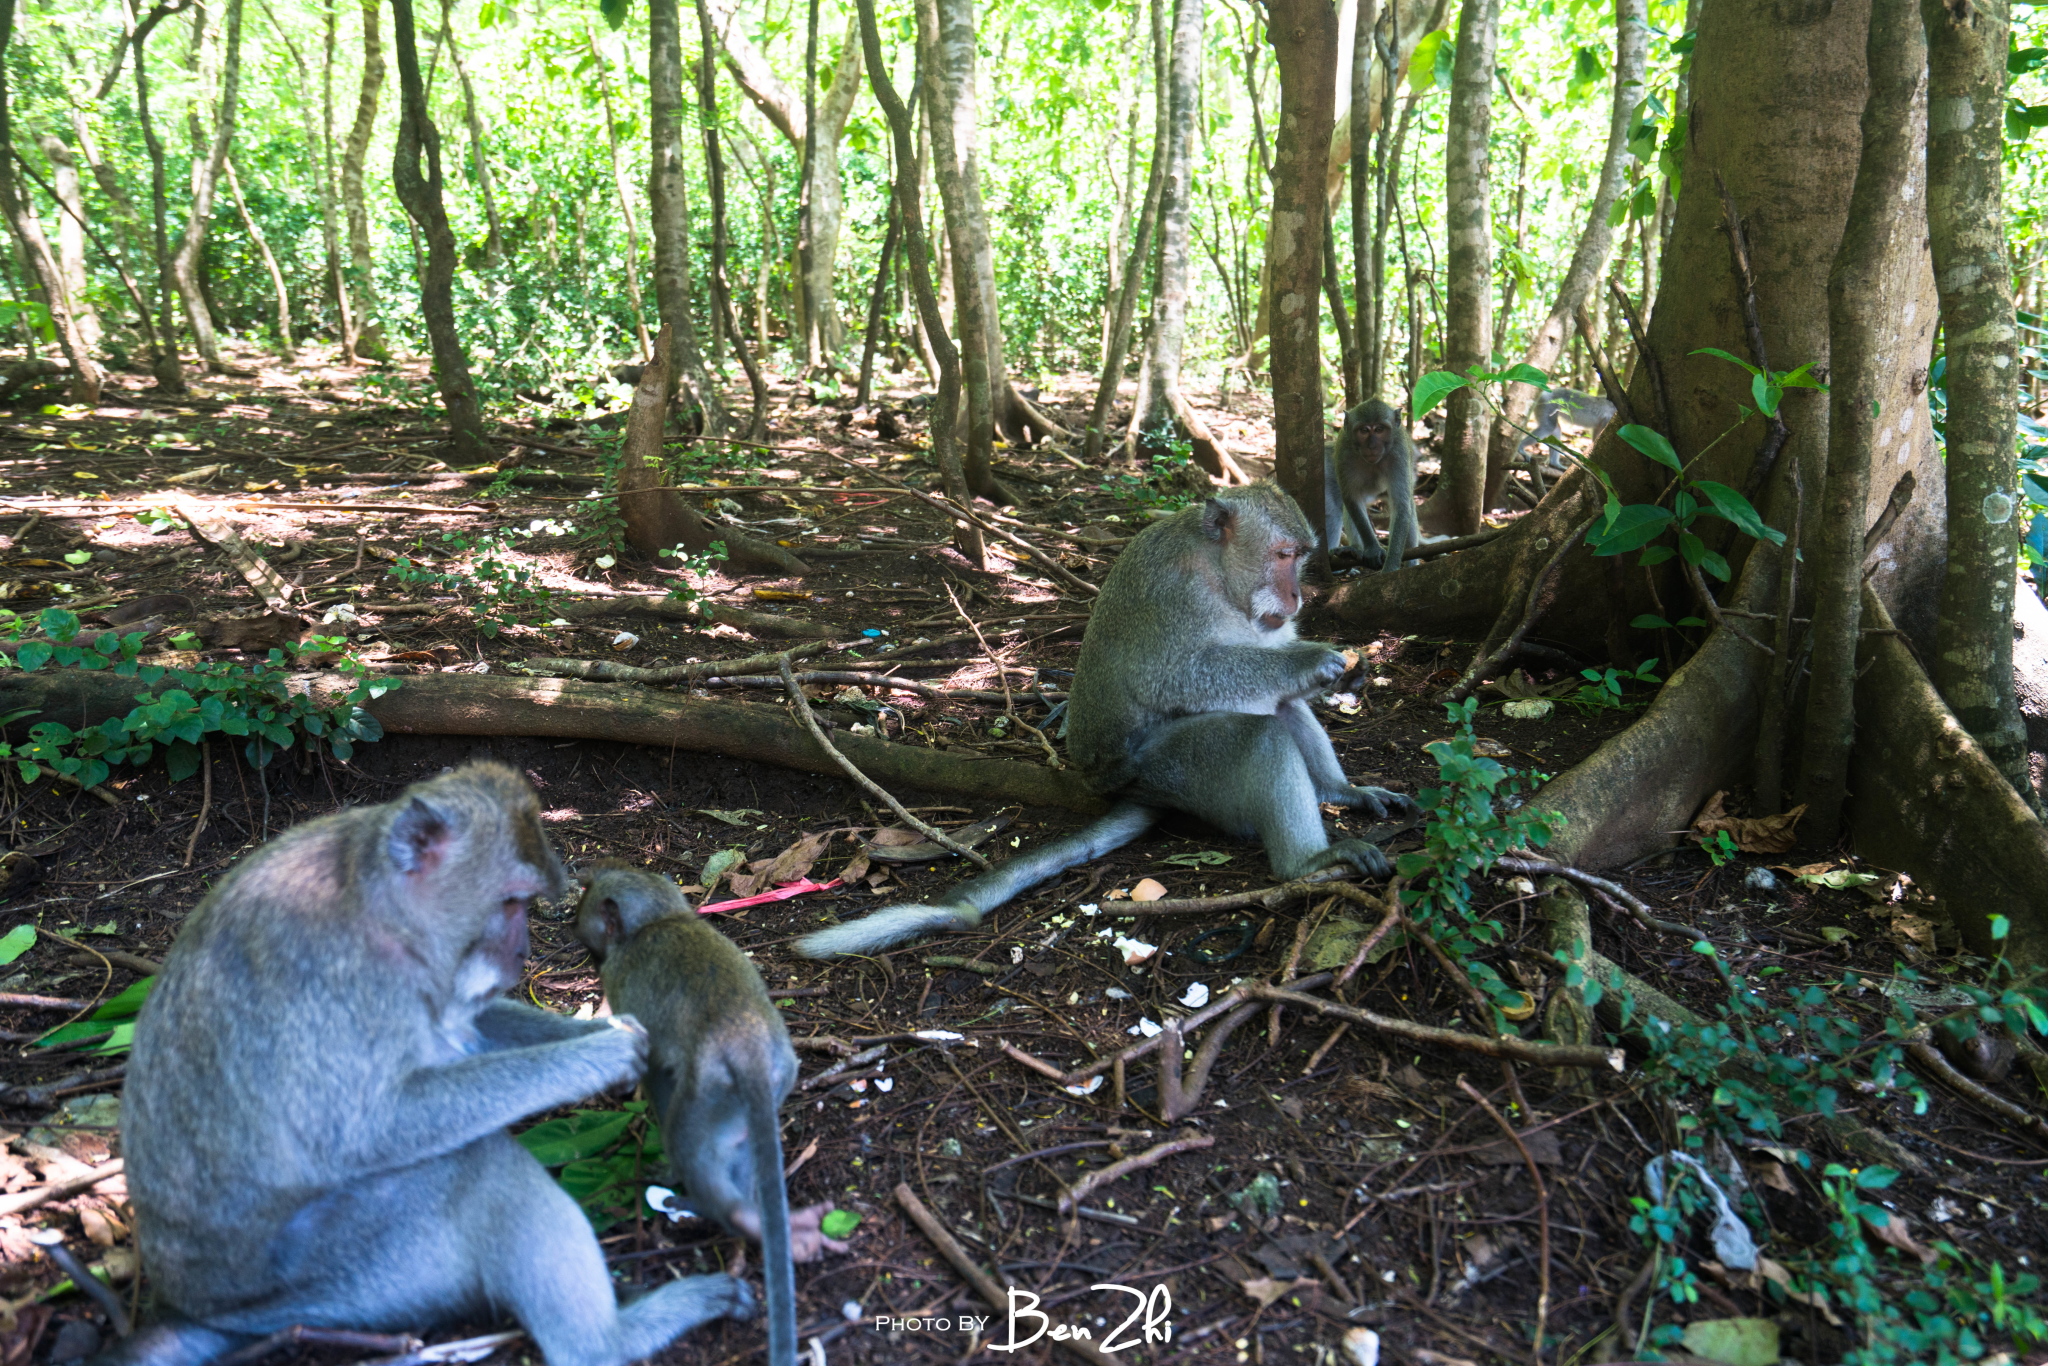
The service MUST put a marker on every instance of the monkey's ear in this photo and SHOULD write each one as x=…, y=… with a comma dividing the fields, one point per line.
x=419, y=835
x=614, y=923
x=1219, y=519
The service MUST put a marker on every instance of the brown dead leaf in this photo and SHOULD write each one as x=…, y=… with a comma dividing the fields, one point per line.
x=1917, y=930
x=895, y=836
x=856, y=868
x=1774, y=1271
x=1752, y=834
x=1772, y=1174
x=1804, y=869
x=1265, y=1289
x=787, y=866
x=1148, y=890
x=1893, y=1231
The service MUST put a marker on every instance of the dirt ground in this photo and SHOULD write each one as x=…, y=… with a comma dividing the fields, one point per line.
x=1350, y=1183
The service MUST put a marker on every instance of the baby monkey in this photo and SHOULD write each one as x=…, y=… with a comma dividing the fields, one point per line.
x=719, y=1065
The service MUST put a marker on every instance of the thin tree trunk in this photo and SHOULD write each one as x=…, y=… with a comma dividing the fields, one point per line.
x=319, y=135
x=806, y=304
x=1589, y=258
x=1130, y=89
x=368, y=341
x=421, y=196
x=206, y=172
x=1972, y=665
x=1141, y=247
x=1365, y=280
x=70, y=234
x=1460, y=494
x=1333, y=289
x=669, y=212
x=1863, y=357
x=85, y=375
x=864, y=393
x=908, y=194
x=165, y=364
x=946, y=33
x=284, y=302
x=494, y=242
x=714, y=174
x=1505, y=318
x=624, y=189
x=1304, y=38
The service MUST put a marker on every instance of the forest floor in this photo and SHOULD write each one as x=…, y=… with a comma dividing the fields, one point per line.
x=1351, y=1182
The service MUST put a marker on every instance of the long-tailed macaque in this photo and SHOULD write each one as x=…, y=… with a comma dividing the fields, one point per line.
x=316, y=1108
x=1567, y=410
x=1191, y=693
x=1371, y=458
x=719, y=1067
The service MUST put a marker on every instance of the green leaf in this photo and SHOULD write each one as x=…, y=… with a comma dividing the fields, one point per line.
x=1766, y=395
x=840, y=1223
x=16, y=942
x=1651, y=443
x=2000, y=927
x=1649, y=621
x=1727, y=503
x=584, y=1134
x=1523, y=373
x=1430, y=390
x=1422, y=64
x=1635, y=526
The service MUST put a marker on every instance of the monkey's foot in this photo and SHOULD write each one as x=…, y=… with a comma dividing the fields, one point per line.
x=1363, y=855
x=807, y=1240
x=1377, y=802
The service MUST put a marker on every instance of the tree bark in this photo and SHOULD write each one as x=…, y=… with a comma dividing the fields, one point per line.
x=1304, y=38
x=85, y=375
x=165, y=364
x=1589, y=258
x=1365, y=283
x=368, y=341
x=910, y=208
x=421, y=196
x=285, y=348
x=947, y=39
x=1457, y=505
x=70, y=234
x=669, y=214
x=714, y=174
x=1966, y=61
x=1864, y=352
x=319, y=136
x=1118, y=344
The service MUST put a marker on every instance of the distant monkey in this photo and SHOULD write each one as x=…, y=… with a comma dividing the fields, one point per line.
x=719, y=1066
x=1567, y=409
x=316, y=1108
x=1191, y=693
x=1371, y=458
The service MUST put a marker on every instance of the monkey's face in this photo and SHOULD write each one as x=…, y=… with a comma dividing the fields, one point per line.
x=1278, y=596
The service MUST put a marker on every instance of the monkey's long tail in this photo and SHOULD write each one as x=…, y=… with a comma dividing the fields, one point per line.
x=973, y=899
x=764, y=1135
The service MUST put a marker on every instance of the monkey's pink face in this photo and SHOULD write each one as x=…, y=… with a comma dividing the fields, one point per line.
x=1275, y=601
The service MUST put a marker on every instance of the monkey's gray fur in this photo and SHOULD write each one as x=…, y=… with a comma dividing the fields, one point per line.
x=1567, y=408
x=1371, y=458
x=1191, y=694
x=316, y=1107
x=719, y=1062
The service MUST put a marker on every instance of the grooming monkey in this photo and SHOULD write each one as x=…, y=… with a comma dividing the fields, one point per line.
x=1371, y=458
x=1191, y=693
x=316, y=1107
x=719, y=1066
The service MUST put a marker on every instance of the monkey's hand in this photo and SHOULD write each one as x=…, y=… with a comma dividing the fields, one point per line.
x=807, y=1240
x=1379, y=803
x=1363, y=855
x=625, y=1045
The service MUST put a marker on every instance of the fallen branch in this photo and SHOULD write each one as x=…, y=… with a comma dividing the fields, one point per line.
x=1506, y=1046
x=1151, y=1157
x=1920, y=1047
x=1634, y=906
x=134, y=962
x=984, y=1285
x=608, y=671
x=1266, y=898
x=268, y=583
x=1489, y=659
x=59, y=1190
x=566, y=709
x=802, y=707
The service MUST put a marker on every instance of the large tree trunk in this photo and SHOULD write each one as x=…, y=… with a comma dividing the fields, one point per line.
x=1589, y=258
x=1966, y=60
x=917, y=247
x=1864, y=354
x=368, y=339
x=1777, y=99
x=946, y=42
x=1455, y=507
x=669, y=206
x=206, y=171
x=1304, y=37
x=70, y=234
x=421, y=195
x=85, y=375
